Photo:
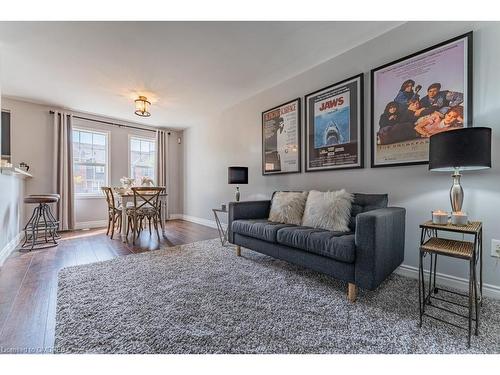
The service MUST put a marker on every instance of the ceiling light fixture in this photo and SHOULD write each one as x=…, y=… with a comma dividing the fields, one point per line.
x=142, y=106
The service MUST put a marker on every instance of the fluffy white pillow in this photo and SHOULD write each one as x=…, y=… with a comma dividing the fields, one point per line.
x=330, y=210
x=288, y=207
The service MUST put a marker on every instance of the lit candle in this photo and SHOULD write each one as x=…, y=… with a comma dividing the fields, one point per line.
x=459, y=218
x=440, y=217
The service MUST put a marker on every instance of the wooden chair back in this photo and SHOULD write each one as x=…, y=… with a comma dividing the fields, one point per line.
x=110, y=198
x=147, y=197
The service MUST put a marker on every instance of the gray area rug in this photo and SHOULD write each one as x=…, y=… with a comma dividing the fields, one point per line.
x=202, y=298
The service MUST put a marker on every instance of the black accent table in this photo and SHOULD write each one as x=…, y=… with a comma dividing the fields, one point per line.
x=470, y=251
x=221, y=228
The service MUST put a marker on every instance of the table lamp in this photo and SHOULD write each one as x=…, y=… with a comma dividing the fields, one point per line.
x=238, y=176
x=458, y=150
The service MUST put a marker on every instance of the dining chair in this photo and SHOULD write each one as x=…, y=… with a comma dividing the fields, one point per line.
x=114, y=212
x=147, y=206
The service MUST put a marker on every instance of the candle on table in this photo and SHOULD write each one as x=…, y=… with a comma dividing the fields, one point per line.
x=459, y=218
x=440, y=217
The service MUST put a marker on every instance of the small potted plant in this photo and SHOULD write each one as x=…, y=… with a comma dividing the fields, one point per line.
x=147, y=181
x=127, y=182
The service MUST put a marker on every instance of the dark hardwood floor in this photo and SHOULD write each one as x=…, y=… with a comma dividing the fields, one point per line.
x=28, y=280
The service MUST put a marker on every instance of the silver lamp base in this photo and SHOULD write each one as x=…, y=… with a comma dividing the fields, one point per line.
x=456, y=192
x=237, y=193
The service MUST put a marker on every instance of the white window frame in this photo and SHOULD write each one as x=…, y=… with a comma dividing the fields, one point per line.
x=129, y=152
x=107, y=134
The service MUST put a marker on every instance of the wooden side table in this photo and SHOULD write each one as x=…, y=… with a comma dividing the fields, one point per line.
x=471, y=251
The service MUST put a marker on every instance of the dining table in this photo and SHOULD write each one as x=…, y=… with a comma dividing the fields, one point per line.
x=126, y=196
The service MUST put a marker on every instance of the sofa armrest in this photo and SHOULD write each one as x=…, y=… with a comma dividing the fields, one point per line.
x=380, y=242
x=246, y=210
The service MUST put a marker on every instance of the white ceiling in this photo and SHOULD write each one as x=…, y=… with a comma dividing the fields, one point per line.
x=189, y=69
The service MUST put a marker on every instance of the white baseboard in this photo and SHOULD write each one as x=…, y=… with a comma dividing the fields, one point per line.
x=197, y=220
x=175, y=216
x=449, y=281
x=10, y=247
x=91, y=224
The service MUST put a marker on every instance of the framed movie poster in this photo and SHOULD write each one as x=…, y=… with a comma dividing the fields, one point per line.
x=281, y=139
x=417, y=96
x=334, y=126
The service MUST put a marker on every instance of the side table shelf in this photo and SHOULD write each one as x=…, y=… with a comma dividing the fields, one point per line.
x=431, y=244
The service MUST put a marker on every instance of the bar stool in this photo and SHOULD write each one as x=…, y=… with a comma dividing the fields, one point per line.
x=41, y=222
x=49, y=211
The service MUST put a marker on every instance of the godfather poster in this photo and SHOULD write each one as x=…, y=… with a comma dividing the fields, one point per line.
x=281, y=139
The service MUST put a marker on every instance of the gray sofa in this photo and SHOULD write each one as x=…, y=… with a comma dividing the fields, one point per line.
x=363, y=257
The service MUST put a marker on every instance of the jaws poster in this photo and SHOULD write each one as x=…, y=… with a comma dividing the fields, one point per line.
x=334, y=126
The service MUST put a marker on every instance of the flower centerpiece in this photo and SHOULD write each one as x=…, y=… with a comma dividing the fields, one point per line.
x=127, y=182
x=147, y=181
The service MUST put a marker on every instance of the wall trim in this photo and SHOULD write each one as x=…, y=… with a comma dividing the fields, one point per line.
x=194, y=219
x=449, y=281
x=91, y=224
x=10, y=247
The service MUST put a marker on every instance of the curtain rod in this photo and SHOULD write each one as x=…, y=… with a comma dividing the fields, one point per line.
x=111, y=123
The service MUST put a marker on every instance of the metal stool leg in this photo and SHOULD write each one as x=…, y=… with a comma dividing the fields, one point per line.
x=54, y=222
x=34, y=228
x=39, y=221
x=471, y=267
x=434, y=281
x=428, y=298
x=421, y=289
x=49, y=224
x=476, y=305
x=45, y=226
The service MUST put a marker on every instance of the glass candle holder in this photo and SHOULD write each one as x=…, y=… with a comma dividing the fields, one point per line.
x=459, y=218
x=440, y=217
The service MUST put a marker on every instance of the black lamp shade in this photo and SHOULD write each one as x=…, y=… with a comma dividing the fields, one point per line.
x=237, y=175
x=465, y=149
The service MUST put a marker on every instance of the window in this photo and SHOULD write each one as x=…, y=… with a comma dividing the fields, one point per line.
x=142, y=158
x=90, y=162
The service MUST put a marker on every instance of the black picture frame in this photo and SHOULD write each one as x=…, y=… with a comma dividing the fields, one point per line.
x=357, y=115
x=298, y=119
x=468, y=74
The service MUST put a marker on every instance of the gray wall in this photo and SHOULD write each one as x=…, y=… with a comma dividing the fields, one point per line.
x=234, y=138
x=11, y=194
x=32, y=142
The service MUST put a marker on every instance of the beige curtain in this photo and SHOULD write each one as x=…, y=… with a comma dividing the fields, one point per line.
x=63, y=169
x=162, y=162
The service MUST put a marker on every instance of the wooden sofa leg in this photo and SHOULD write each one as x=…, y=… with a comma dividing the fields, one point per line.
x=352, y=292
x=238, y=250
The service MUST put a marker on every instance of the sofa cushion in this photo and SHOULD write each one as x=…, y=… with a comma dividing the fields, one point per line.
x=288, y=207
x=335, y=245
x=328, y=210
x=261, y=228
x=296, y=236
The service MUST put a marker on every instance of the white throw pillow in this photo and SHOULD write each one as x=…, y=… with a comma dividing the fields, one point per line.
x=330, y=210
x=288, y=207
